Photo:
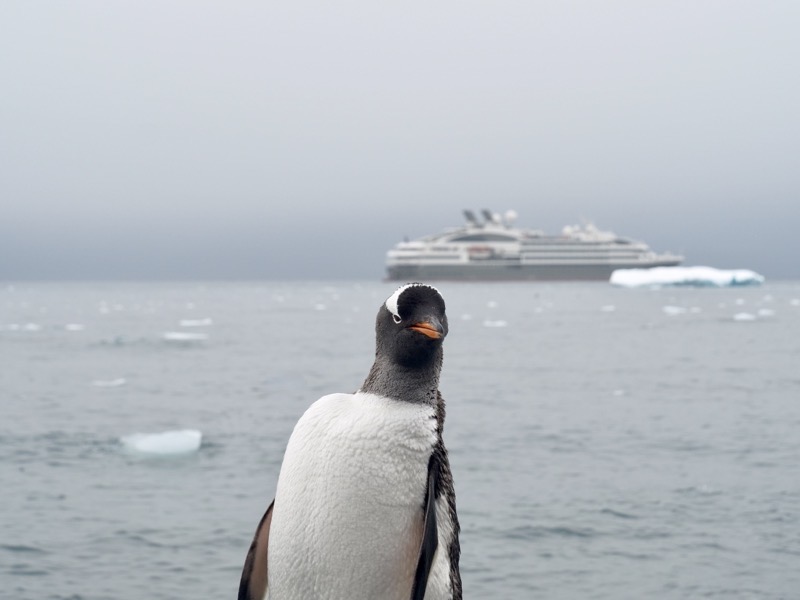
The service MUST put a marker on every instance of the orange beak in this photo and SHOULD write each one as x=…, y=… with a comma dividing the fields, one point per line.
x=428, y=329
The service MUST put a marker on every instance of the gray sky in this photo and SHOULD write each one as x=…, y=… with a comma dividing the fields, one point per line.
x=246, y=139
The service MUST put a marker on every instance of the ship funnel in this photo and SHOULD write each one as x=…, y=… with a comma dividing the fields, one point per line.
x=491, y=218
x=471, y=219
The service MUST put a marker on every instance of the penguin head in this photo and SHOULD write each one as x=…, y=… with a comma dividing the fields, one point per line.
x=411, y=325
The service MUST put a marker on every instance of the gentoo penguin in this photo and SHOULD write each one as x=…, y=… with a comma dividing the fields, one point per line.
x=365, y=507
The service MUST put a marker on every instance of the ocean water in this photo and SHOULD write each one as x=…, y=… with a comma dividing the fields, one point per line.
x=606, y=443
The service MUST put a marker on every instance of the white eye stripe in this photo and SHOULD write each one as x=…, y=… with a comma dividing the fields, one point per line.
x=391, y=301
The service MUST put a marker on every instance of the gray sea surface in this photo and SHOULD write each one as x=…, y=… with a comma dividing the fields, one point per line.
x=606, y=443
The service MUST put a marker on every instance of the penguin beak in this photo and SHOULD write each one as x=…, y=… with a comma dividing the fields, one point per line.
x=431, y=328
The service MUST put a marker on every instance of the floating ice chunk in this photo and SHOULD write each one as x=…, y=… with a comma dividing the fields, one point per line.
x=31, y=327
x=608, y=308
x=320, y=307
x=466, y=317
x=795, y=302
x=766, y=312
x=184, y=336
x=196, y=322
x=498, y=323
x=180, y=441
x=108, y=383
x=744, y=316
x=673, y=310
x=74, y=327
x=492, y=304
x=684, y=276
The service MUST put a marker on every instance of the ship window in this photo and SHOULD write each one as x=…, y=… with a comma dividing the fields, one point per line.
x=484, y=237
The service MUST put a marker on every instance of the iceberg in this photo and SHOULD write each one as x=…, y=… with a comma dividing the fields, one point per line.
x=182, y=441
x=684, y=276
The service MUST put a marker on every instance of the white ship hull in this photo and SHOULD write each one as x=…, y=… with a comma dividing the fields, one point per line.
x=514, y=271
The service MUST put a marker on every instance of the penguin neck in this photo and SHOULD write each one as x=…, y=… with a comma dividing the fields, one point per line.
x=418, y=384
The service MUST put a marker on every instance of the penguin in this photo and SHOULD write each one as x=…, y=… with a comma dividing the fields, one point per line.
x=365, y=506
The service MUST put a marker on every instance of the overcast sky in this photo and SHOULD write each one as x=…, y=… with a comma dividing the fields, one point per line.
x=192, y=139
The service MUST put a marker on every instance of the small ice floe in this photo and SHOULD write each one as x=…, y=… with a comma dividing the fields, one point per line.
x=184, y=337
x=74, y=327
x=795, y=301
x=320, y=307
x=618, y=393
x=685, y=276
x=673, y=311
x=182, y=441
x=744, y=316
x=207, y=322
x=107, y=308
x=466, y=317
x=109, y=383
x=739, y=302
x=608, y=308
x=31, y=327
x=700, y=490
x=497, y=323
x=766, y=312
x=492, y=304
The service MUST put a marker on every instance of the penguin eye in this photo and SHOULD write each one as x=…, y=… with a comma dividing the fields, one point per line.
x=396, y=318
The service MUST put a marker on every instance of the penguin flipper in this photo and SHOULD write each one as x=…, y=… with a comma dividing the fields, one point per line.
x=430, y=536
x=253, y=585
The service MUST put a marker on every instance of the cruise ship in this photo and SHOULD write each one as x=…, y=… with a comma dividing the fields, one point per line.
x=492, y=249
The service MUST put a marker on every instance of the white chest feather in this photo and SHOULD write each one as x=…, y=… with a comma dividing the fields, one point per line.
x=347, y=521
